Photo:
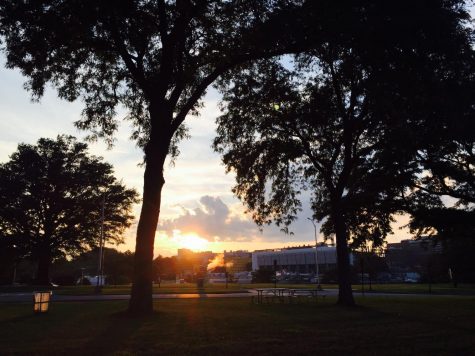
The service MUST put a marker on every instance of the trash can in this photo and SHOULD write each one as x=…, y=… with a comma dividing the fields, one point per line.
x=41, y=301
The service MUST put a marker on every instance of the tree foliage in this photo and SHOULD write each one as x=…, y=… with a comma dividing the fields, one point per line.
x=441, y=200
x=131, y=53
x=155, y=58
x=346, y=120
x=51, y=196
x=165, y=268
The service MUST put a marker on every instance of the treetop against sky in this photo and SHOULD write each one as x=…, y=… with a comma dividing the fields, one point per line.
x=157, y=60
x=197, y=197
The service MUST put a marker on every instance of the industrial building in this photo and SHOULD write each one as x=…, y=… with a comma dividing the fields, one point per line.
x=408, y=260
x=297, y=259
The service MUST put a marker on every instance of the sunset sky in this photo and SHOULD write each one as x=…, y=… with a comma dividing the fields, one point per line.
x=198, y=207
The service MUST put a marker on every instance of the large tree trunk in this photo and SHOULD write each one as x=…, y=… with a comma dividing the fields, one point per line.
x=141, y=302
x=141, y=296
x=42, y=274
x=345, y=294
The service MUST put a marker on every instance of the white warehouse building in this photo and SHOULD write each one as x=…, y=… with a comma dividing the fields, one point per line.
x=296, y=259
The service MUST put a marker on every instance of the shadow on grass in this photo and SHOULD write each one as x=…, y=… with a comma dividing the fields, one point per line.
x=25, y=317
x=126, y=315
x=119, y=332
x=202, y=293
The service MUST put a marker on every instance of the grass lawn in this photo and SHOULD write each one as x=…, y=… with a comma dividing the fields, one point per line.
x=389, y=326
x=185, y=288
x=440, y=288
x=166, y=288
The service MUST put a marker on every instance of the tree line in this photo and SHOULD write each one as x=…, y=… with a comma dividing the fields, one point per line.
x=118, y=268
x=57, y=201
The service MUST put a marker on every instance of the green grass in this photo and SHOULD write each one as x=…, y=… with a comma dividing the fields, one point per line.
x=389, y=326
x=187, y=288
x=411, y=288
x=167, y=288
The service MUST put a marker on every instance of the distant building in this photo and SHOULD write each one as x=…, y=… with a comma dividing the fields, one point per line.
x=216, y=277
x=243, y=277
x=409, y=259
x=201, y=258
x=296, y=259
x=411, y=253
x=237, y=261
x=190, y=262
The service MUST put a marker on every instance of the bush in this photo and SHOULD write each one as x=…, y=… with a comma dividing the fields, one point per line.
x=263, y=276
x=65, y=279
x=117, y=280
x=85, y=282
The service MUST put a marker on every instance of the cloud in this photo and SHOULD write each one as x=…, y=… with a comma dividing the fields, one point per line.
x=212, y=220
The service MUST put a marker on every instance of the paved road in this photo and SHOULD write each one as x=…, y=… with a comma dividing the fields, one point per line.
x=28, y=297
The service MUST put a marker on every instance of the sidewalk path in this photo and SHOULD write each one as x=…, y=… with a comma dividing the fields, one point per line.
x=28, y=297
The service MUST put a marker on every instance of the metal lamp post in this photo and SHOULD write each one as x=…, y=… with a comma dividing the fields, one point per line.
x=100, y=269
x=14, y=267
x=316, y=253
x=14, y=274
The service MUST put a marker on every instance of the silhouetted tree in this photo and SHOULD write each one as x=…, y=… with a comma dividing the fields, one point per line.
x=344, y=121
x=263, y=276
x=155, y=58
x=51, y=197
x=118, y=267
x=441, y=202
x=8, y=258
x=454, y=229
x=165, y=267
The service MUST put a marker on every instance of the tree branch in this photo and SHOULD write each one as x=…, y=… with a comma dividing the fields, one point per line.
x=137, y=74
x=162, y=20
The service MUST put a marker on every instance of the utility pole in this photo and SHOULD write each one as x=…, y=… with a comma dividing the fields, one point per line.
x=14, y=274
x=316, y=254
x=100, y=269
x=14, y=267
x=362, y=273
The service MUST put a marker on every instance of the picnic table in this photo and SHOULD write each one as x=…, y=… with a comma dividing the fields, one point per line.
x=285, y=294
x=270, y=294
x=299, y=294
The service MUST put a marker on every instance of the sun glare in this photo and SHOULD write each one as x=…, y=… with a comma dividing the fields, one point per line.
x=190, y=241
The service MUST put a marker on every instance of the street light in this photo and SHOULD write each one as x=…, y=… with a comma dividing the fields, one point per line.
x=316, y=254
x=14, y=266
x=100, y=269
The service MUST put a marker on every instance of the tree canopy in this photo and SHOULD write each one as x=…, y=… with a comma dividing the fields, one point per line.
x=136, y=54
x=441, y=200
x=156, y=59
x=346, y=120
x=51, y=197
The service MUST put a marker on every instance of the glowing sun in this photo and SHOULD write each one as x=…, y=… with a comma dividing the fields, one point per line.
x=190, y=241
